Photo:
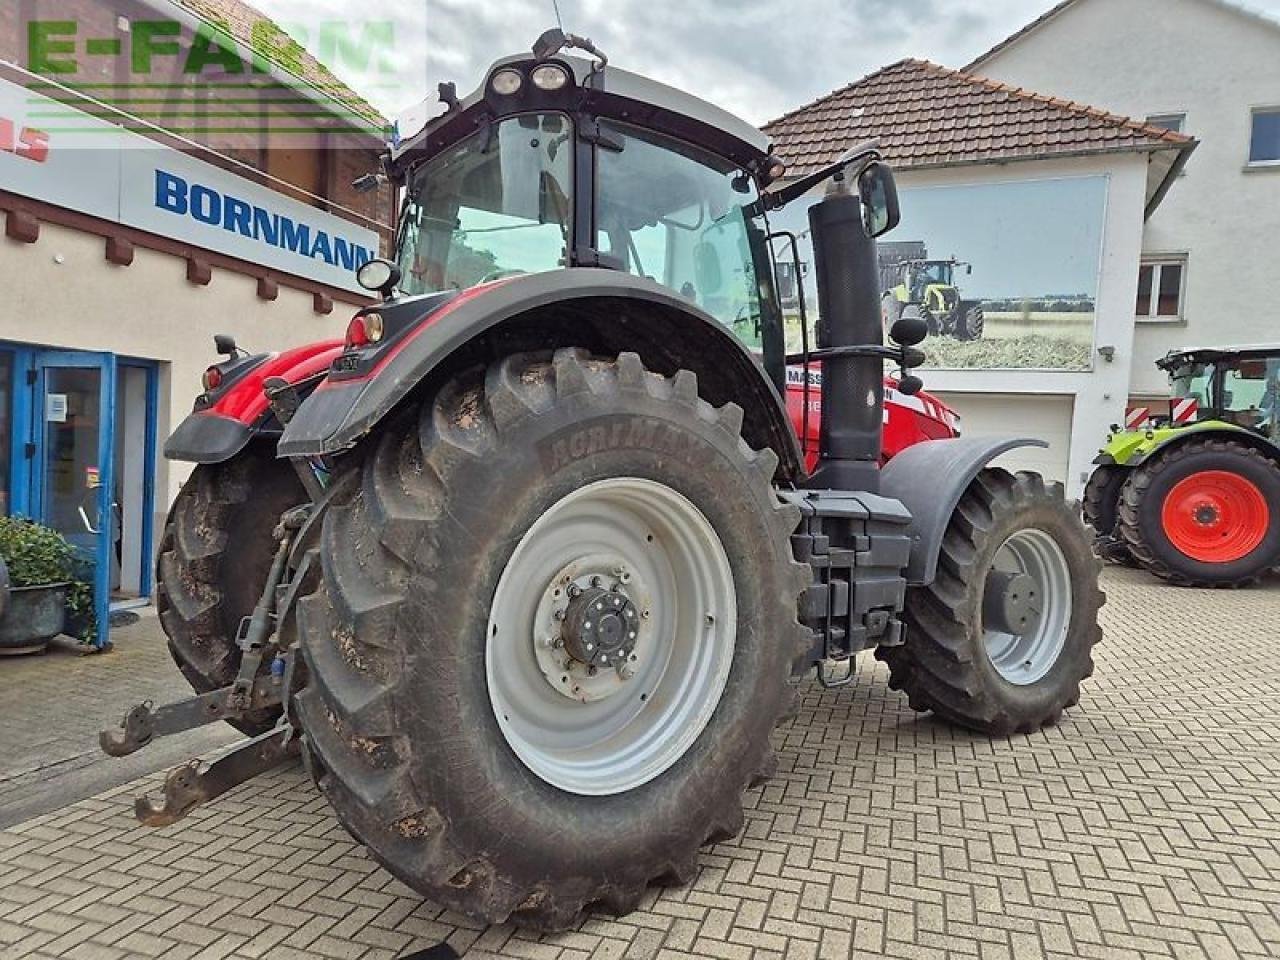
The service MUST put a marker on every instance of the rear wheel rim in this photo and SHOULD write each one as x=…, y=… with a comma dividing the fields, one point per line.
x=1026, y=657
x=654, y=561
x=1215, y=516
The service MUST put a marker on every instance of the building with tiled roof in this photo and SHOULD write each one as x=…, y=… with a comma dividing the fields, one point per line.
x=1206, y=68
x=1022, y=222
x=927, y=116
x=170, y=170
x=249, y=26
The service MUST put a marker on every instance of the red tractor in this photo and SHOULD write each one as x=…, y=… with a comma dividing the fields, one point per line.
x=527, y=567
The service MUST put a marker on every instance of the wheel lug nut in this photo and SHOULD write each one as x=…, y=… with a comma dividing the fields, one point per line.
x=575, y=590
x=596, y=581
x=559, y=614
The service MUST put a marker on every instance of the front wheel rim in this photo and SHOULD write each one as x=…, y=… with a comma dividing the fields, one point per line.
x=1025, y=651
x=646, y=556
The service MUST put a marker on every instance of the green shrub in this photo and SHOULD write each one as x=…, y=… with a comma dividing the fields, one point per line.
x=36, y=555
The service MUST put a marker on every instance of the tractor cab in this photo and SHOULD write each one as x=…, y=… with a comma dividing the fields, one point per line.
x=1239, y=386
x=562, y=161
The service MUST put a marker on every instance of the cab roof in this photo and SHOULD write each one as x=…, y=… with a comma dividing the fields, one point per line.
x=1194, y=354
x=601, y=91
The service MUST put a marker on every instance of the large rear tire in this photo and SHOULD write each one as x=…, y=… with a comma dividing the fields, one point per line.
x=214, y=557
x=1205, y=513
x=488, y=767
x=1101, y=507
x=1002, y=639
x=971, y=321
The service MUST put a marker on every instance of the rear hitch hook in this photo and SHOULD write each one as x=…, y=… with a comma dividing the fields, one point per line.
x=135, y=732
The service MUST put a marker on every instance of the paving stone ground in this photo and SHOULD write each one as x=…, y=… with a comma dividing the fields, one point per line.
x=1146, y=825
x=52, y=706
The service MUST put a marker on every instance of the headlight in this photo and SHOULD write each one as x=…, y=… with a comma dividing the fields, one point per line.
x=549, y=76
x=506, y=82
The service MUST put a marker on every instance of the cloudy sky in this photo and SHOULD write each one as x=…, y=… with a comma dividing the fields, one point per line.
x=758, y=58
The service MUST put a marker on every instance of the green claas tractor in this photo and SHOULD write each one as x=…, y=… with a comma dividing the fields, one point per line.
x=909, y=278
x=1194, y=496
x=525, y=567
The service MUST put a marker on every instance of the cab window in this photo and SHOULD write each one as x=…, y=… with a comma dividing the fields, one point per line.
x=678, y=215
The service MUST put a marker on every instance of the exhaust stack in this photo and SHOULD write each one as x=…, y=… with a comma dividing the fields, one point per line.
x=849, y=316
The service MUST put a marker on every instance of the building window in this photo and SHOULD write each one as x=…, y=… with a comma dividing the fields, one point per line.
x=1264, y=143
x=1168, y=121
x=1160, y=287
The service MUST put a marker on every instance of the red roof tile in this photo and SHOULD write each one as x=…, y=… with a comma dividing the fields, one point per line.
x=240, y=20
x=924, y=115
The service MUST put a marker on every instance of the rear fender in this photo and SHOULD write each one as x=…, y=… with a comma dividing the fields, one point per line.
x=223, y=423
x=930, y=478
x=605, y=311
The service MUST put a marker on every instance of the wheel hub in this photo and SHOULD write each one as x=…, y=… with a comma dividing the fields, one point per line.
x=1206, y=514
x=590, y=620
x=600, y=626
x=1010, y=602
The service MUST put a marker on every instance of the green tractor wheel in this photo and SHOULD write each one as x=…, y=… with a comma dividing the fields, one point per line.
x=1205, y=513
x=1100, y=507
x=970, y=321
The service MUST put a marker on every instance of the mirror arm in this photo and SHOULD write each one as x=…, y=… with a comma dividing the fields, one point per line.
x=862, y=153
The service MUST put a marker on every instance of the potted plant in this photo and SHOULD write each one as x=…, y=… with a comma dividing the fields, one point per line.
x=38, y=587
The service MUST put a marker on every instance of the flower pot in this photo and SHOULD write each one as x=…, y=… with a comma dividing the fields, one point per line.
x=33, y=617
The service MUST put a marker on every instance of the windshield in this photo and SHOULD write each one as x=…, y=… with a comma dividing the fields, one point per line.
x=673, y=213
x=495, y=205
x=928, y=274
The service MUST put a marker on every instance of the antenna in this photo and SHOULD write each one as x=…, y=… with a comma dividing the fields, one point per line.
x=555, y=5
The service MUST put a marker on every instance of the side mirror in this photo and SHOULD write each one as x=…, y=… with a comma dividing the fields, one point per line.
x=879, y=195
x=225, y=344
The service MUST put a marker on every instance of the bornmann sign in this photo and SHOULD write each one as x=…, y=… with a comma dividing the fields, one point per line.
x=213, y=208
x=111, y=173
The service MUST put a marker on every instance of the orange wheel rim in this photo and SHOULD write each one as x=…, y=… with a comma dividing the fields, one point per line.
x=1215, y=516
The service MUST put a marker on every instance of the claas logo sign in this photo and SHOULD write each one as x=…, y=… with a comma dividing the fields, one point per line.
x=23, y=142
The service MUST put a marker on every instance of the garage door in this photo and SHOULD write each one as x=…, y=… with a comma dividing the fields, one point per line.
x=1023, y=415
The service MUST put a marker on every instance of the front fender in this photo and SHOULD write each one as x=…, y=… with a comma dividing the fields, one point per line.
x=1132, y=448
x=221, y=426
x=584, y=301
x=930, y=478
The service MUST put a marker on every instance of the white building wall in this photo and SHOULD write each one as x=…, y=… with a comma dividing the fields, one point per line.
x=1091, y=399
x=1141, y=58
x=62, y=292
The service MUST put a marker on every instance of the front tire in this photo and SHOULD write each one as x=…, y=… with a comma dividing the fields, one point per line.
x=1009, y=662
x=1205, y=513
x=436, y=719
x=1100, y=507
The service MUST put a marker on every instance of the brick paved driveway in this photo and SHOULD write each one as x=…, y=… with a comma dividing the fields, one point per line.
x=1148, y=824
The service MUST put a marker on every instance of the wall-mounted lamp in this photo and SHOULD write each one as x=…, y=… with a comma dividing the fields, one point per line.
x=1108, y=353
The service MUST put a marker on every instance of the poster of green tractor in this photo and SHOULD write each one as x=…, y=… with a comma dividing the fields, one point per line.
x=910, y=279
x=1005, y=273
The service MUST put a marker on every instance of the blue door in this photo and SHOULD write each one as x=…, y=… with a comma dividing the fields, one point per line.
x=72, y=464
